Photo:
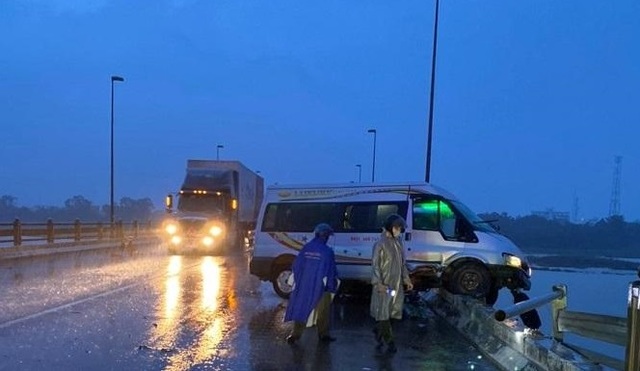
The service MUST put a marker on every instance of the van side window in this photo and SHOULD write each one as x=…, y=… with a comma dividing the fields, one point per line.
x=425, y=215
x=346, y=217
x=269, y=222
x=299, y=217
x=448, y=221
x=434, y=215
x=368, y=217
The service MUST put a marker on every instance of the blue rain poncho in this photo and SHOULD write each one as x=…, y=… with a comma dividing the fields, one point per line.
x=314, y=273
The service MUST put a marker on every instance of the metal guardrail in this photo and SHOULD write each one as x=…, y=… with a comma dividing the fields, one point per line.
x=19, y=233
x=611, y=329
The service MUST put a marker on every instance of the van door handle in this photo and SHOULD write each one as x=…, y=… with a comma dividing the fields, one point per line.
x=407, y=236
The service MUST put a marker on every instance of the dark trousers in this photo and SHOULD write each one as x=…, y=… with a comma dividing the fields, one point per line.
x=384, y=330
x=323, y=309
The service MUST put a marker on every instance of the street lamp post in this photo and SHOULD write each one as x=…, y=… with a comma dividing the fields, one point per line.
x=427, y=177
x=218, y=147
x=113, y=79
x=359, y=173
x=373, y=167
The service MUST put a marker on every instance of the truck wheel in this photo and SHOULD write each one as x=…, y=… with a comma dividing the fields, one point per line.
x=280, y=277
x=471, y=279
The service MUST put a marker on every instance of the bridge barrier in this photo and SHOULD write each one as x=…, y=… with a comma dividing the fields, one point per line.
x=507, y=343
x=128, y=244
x=632, y=355
x=530, y=304
x=19, y=233
x=611, y=329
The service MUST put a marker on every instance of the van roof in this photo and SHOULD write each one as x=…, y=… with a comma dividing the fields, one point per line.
x=421, y=187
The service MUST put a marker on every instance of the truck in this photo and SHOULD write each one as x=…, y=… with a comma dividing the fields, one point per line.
x=217, y=206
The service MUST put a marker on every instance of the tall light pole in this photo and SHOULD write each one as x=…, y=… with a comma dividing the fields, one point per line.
x=359, y=173
x=218, y=148
x=427, y=177
x=373, y=167
x=113, y=79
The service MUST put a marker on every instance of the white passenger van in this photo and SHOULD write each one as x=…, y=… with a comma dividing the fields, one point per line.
x=446, y=244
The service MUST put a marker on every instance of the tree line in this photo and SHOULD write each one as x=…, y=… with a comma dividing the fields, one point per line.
x=77, y=207
x=607, y=237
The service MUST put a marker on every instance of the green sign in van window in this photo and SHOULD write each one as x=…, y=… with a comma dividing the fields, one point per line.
x=425, y=214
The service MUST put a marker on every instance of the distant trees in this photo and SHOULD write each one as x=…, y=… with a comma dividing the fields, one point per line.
x=76, y=207
x=537, y=235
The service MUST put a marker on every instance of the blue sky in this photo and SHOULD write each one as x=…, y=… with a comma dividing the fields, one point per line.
x=533, y=98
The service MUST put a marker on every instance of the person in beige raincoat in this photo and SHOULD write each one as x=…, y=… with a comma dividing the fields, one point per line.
x=389, y=276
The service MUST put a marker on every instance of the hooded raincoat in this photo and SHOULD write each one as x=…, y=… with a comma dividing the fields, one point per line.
x=314, y=273
x=389, y=269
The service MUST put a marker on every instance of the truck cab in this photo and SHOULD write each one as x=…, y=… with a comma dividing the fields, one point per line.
x=217, y=204
x=201, y=222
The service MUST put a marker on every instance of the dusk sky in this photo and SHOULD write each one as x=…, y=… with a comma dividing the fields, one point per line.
x=534, y=98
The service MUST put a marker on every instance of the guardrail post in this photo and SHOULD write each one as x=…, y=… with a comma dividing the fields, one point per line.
x=632, y=353
x=17, y=232
x=558, y=305
x=76, y=230
x=50, y=233
x=119, y=230
x=100, y=231
x=135, y=228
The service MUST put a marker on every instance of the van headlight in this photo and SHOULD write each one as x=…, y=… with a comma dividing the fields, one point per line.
x=215, y=231
x=512, y=260
x=171, y=228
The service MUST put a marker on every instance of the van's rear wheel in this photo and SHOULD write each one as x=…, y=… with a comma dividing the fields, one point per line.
x=471, y=279
x=280, y=277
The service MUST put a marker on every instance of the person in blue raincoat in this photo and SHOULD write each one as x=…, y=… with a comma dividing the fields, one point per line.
x=315, y=281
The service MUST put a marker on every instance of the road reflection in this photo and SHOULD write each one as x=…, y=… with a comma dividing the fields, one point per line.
x=200, y=323
x=210, y=283
x=167, y=327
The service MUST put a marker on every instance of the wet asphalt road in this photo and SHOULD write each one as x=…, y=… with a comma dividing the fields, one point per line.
x=153, y=311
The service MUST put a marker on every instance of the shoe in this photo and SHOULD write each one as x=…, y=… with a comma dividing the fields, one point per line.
x=391, y=348
x=326, y=338
x=291, y=339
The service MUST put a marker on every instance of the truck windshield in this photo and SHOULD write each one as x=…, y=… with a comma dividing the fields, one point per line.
x=201, y=204
x=477, y=222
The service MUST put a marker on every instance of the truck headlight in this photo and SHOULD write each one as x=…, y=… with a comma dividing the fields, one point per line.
x=215, y=231
x=512, y=260
x=176, y=240
x=171, y=229
x=207, y=241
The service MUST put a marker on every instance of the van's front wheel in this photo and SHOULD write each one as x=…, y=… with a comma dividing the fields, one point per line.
x=280, y=281
x=471, y=279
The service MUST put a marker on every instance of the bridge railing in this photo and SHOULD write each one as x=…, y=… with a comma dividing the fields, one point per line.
x=611, y=329
x=19, y=233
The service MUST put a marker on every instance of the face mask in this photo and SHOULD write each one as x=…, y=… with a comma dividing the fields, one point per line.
x=396, y=232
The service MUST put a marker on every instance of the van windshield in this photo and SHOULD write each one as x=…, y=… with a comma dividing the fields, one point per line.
x=477, y=222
